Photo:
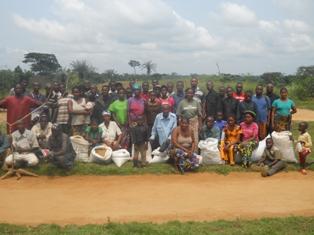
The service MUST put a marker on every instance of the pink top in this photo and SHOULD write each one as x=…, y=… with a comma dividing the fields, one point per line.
x=248, y=131
x=169, y=100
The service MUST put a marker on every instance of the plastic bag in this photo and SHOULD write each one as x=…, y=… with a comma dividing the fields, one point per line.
x=282, y=140
x=121, y=156
x=159, y=157
x=258, y=152
x=210, y=152
x=81, y=147
x=101, y=158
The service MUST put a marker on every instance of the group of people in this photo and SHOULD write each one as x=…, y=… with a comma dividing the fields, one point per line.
x=167, y=116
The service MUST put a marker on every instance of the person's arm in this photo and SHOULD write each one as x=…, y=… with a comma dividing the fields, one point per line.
x=273, y=114
x=4, y=103
x=71, y=111
x=293, y=110
x=193, y=147
x=200, y=116
x=154, y=130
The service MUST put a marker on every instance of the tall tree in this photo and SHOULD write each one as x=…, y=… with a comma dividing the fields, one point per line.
x=42, y=63
x=149, y=66
x=305, y=71
x=134, y=64
x=82, y=68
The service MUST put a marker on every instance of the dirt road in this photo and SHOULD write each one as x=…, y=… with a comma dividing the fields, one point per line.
x=97, y=199
x=304, y=115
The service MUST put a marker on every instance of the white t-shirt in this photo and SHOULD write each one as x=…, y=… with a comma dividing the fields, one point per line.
x=111, y=132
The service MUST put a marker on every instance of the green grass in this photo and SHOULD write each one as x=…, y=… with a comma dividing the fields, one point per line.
x=290, y=225
x=305, y=104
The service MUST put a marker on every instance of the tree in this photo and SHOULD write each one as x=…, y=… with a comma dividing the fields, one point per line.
x=272, y=77
x=149, y=66
x=82, y=68
x=134, y=64
x=110, y=74
x=41, y=63
x=305, y=71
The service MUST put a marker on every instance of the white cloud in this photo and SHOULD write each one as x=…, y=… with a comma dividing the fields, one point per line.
x=296, y=25
x=238, y=15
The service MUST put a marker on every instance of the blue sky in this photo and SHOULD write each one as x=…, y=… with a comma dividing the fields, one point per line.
x=178, y=35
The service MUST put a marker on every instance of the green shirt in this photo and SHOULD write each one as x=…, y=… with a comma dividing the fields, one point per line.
x=283, y=108
x=93, y=134
x=120, y=109
x=189, y=109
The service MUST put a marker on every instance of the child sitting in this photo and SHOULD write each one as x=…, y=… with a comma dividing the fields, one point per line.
x=93, y=133
x=220, y=123
x=304, y=145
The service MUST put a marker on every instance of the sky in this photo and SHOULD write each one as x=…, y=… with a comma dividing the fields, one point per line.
x=181, y=36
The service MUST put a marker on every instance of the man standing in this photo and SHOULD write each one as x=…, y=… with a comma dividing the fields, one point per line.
x=230, y=105
x=239, y=95
x=211, y=104
x=145, y=91
x=179, y=95
x=263, y=111
x=196, y=90
x=272, y=97
x=164, y=123
x=18, y=107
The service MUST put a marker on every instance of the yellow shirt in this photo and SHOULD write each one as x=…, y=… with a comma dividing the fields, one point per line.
x=306, y=139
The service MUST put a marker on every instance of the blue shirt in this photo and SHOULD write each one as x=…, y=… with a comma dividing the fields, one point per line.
x=178, y=97
x=283, y=108
x=263, y=107
x=163, y=127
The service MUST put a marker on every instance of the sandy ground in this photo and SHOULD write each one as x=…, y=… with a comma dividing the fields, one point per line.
x=197, y=197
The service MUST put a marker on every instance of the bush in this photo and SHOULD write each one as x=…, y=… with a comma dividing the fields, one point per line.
x=304, y=88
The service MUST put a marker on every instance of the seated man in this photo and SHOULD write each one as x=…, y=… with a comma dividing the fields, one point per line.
x=163, y=126
x=271, y=159
x=111, y=133
x=24, y=144
x=42, y=131
x=210, y=130
x=4, y=146
x=61, y=152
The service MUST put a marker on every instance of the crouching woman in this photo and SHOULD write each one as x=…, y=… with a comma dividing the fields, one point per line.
x=184, y=145
x=61, y=152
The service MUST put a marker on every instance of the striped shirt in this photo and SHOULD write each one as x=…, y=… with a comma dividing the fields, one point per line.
x=63, y=112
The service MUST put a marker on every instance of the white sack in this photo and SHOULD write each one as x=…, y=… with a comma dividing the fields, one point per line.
x=210, y=152
x=283, y=142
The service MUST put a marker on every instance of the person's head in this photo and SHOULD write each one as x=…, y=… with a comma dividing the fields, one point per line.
x=48, y=88
x=36, y=87
x=164, y=91
x=248, y=96
x=184, y=123
x=87, y=85
x=210, y=85
x=93, y=124
x=76, y=92
x=239, y=87
x=105, y=90
x=194, y=82
x=119, y=86
x=24, y=82
x=145, y=87
x=180, y=86
x=269, y=143
x=259, y=90
x=157, y=89
x=19, y=90
x=189, y=94
x=270, y=88
x=170, y=87
x=137, y=90
x=222, y=91
x=20, y=125
x=62, y=88
x=231, y=120
x=229, y=92
x=152, y=95
x=112, y=85
x=129, y=92
x=303, y=126
x=43, y=121
x=219, y=116
x=210, y=121
x=121, y=94
x=283, y=93
x=154, y=83
x=56, y=87
x=249, y=117
x=106, y=116
x=165, y=110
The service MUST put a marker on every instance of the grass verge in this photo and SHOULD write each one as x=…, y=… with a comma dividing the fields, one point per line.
x=289, y=225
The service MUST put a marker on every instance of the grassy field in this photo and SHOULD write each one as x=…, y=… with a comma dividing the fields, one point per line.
x=288, y=226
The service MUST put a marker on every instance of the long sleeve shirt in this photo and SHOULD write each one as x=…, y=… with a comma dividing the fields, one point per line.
x=163, y=127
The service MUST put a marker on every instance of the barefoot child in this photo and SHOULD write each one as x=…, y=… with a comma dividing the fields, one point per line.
x=304, y=145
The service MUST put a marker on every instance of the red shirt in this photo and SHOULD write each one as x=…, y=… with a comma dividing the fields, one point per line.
x=18, y=107
x=169, y=100
x=240, y=97
x=145, y=96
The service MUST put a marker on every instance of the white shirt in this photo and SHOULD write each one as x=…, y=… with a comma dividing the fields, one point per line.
x=111, y=132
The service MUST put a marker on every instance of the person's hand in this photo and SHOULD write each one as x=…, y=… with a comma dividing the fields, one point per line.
x=115, y=144
x=189, y=154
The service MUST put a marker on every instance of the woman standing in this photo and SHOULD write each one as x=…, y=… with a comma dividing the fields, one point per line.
x=76, y=107
x=230, y=138
x=282, y=110
x=190, y=109
x=249, y=140
x=152, y=108
x=184, y=144
x=165, y=99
